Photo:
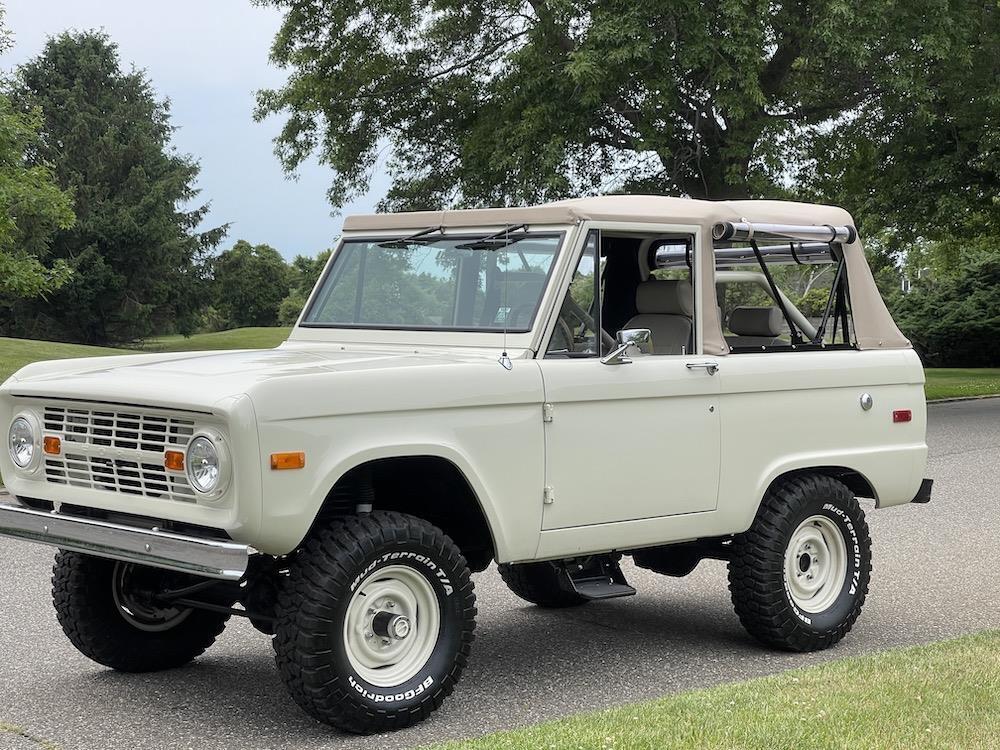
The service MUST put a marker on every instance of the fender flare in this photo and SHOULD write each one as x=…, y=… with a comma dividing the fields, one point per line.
x=327, y=479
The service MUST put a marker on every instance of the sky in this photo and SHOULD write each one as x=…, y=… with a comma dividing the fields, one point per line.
x=208, y=57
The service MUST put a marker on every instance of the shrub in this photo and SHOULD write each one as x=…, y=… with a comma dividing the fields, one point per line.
x=955, y=321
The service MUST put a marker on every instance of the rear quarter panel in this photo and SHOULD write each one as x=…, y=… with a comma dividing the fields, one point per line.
x=796, y=410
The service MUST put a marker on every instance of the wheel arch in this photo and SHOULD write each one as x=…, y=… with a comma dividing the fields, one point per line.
x=428, y=484
x=855, y=480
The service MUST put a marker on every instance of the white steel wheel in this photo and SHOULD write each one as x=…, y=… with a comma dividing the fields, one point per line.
x=815, y=564
x=392, y=625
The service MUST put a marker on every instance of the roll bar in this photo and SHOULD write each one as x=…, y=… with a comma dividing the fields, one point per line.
x=739, y=231
x=800, y=253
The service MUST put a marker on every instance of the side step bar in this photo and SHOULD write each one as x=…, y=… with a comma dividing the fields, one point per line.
x=211, y=558
x=598, y=577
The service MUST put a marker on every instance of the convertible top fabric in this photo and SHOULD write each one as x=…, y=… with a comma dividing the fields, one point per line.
x=873, y=326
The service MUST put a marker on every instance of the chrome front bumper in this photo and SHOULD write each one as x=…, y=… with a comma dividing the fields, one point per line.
x=159, y=549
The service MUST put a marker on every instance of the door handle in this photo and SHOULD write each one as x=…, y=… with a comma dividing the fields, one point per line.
x=710, y=367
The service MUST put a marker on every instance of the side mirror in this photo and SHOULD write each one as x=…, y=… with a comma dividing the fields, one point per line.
x=639, y=339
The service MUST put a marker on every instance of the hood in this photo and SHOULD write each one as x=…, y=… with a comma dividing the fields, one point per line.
x=203, y=379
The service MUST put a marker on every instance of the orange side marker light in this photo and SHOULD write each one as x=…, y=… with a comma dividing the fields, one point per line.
x=52, y=445
x=283, y=461
x=174, y=460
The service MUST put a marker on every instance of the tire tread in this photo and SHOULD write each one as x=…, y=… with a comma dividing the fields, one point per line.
x=756, y=581
x=327, y=562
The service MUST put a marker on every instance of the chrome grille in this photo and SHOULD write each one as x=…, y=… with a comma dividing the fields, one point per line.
x=118, y=451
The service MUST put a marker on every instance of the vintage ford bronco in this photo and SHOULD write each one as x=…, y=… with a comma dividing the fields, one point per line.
x=549, y=387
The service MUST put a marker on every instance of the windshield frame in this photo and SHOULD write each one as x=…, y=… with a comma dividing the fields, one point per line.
x=462, y=234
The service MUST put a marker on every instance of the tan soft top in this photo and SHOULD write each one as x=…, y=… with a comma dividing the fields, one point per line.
x=874, y=327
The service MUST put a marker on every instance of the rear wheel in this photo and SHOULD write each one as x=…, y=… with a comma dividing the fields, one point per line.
x=375, y=622
x=799, y=576
x=538, y=583
x=109, y=611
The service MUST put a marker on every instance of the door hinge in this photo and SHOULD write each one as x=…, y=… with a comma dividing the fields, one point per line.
x=547, y=411
x=548, y=496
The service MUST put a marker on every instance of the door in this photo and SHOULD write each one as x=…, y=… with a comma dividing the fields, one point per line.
x=628, y=442
x=623, y=441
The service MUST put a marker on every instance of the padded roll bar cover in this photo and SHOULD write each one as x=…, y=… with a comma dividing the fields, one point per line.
x=744, y=230
x=723, y=231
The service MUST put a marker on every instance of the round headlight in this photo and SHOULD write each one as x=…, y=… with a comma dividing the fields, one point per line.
x=204, y=465
x=21, y=440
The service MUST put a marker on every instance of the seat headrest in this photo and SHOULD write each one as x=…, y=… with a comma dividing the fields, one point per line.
x=664, y=297
x=755, y=321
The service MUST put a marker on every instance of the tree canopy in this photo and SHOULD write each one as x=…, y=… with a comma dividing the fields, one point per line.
x=504, y=100
x=925, y=163
x=304, y=272
x=953, y=321
x=134, y=249
x=250, y=282
x=32, y=207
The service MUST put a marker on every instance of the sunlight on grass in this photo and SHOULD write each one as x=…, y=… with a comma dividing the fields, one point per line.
x=959, y=383
x=945, y=695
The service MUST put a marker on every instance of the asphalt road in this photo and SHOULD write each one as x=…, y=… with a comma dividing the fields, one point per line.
x=934, y=577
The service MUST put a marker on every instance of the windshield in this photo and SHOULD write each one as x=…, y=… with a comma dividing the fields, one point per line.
x=454, y=283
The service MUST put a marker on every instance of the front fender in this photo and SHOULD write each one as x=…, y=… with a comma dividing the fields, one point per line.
x=498, y=449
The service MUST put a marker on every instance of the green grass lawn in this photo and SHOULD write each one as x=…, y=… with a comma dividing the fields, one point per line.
x=955, y=383
x=16, y=353
x=240, y=338
x=945, y=695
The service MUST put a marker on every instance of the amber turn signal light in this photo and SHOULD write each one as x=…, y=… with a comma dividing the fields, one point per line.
x=174, y=460
x=281, y=461
x=52, y=445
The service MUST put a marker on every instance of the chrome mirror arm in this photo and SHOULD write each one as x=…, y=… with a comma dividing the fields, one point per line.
x=640, y=339
x=619, y=356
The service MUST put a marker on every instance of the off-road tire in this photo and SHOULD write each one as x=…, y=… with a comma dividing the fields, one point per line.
x=538, y=583
x=757, y=578
x=313, y=602
x=82, y=592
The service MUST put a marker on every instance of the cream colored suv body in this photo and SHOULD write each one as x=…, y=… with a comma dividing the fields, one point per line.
x=519, y=458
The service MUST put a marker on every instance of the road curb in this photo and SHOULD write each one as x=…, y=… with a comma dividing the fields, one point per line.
x=959, y=399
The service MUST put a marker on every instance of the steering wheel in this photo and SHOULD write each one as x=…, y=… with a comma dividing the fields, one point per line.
x=564, y=332
x=607, y=340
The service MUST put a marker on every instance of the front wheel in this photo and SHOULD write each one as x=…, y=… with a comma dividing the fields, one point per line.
x=375, y=622
x=110, y=612
x=800, y=574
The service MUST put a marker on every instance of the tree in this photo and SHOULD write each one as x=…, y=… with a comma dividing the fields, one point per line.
x=32, y=207
x=134, y=250
x=953, y=322
x=923, y=168
x=304, y=272
x=507, y=100
x=249, y=281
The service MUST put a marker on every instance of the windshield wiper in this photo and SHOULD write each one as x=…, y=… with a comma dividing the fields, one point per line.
x=420, y=238
x=496, y=241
